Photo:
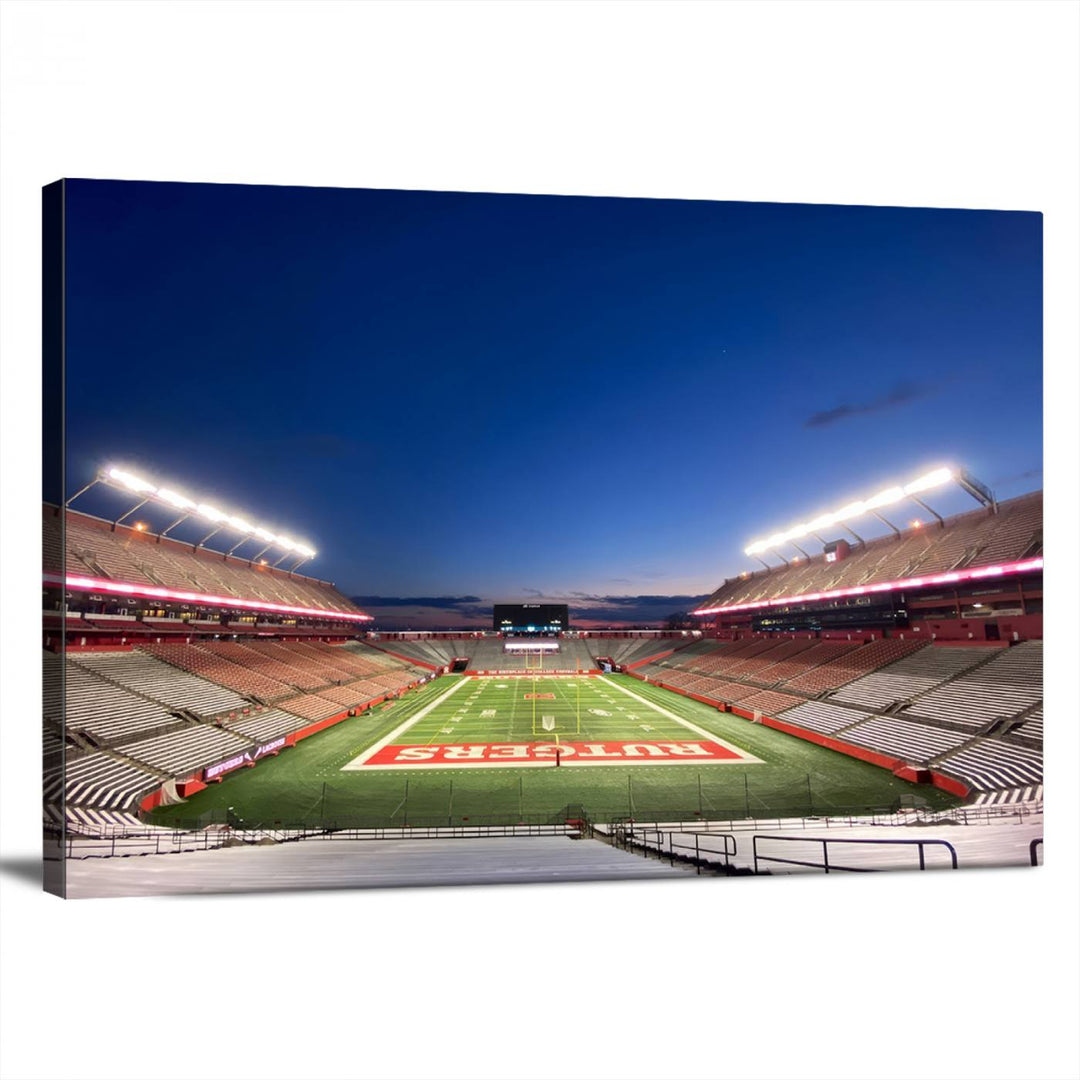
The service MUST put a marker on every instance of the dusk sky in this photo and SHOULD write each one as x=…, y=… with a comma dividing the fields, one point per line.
x=493, y=397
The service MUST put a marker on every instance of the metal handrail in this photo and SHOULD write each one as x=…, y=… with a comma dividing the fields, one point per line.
x=640, y=836
x=826, y=840
x=1033, y=850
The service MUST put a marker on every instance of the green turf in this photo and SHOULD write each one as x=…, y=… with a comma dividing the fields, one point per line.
x=580, y=709
x=305, y=785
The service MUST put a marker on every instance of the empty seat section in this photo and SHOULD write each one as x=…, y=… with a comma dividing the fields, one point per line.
x=821, y=716
x=914, y=674
x=768, y=702
x=851, y=665
x=146, y=675
x=913, y=742
x=1004, y=687
x=110, y=713
x=203, y=662
x=821, y=652
x=989, y=764
x=186, y=749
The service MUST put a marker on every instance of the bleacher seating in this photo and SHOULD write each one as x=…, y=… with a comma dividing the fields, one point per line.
x=246, y=657
x=98, y=779
x=1004, y=687
x=977, y=538
x=94, y=548
x=788, y=649
x=915, y=674
x=821, y=716
x=310, y=706
x=916, y=743
x=185, y=749
x=851, y=665
x=767, y=702
x=1030, y=728
x=263, y=725
x=206, y=663
x=152, y=678
x=988, y=764
x=108, y=712
x=821, y=652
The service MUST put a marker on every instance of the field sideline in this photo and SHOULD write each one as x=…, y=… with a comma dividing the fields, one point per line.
x=758, y=771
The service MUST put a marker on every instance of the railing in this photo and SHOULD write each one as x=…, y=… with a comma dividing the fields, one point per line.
x=1033, y=850
x=696, y=853
x=164, y=842
x=167, y=842
x=825, y=841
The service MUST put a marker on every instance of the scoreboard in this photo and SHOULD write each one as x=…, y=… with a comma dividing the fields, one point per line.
x=531, y=618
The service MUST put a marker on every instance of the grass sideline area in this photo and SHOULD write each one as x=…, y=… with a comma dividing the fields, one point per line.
x=321, y=781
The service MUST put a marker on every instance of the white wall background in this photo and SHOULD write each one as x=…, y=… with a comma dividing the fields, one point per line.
x=945, y=104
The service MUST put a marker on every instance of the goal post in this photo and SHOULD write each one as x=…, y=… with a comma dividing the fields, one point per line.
x=551, y=725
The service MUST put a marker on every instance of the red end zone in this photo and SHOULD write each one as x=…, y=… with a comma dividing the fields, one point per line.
x=570, y=753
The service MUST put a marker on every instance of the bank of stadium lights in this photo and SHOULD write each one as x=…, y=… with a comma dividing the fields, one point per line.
x=220, y=519
x=860, y=508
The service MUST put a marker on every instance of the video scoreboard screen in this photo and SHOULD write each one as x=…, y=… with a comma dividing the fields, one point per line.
x=531, y=618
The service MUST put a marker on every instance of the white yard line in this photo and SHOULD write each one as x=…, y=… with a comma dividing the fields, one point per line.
x=746, y=756
x=358, y=762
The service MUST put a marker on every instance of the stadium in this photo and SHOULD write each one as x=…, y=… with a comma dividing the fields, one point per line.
x=859, y=702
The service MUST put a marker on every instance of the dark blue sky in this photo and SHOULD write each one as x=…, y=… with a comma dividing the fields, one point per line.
x=500, y=395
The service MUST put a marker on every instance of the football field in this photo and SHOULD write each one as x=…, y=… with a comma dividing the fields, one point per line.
x=531, y=721
x=533, y=749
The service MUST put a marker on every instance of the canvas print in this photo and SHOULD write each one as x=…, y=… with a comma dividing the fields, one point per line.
x=435, y=538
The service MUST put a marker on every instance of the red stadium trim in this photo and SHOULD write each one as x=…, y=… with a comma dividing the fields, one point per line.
x=126, y=588
x=953, y=576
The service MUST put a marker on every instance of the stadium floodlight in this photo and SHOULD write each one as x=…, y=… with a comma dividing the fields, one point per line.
x=851, y=511
x=132, y=482
x=885, y=498
x=222, y=519
x=822, y=522
x=174, y=498
x=930, y=480
x=854, y=510
x=211, y=513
